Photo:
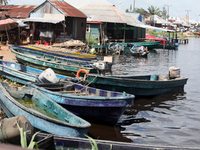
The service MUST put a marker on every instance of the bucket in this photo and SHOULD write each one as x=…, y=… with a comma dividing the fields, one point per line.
x=46, y=43
x=48, y=76
x=38, y=42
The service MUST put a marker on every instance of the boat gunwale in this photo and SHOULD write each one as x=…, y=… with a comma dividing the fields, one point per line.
x=138, y=80
x=128, y=96
x=45, y=61
x=90, y=55
x=40, y=115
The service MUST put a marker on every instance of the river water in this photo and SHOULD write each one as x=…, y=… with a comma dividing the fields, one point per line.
x=168, y=120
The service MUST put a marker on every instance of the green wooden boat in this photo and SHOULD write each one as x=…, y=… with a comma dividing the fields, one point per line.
x=144, y=85
x=43, y=61
x=149, y=45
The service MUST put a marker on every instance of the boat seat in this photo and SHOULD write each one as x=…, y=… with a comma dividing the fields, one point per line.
x=47, y=59
x=57, y=61
x=162, y=78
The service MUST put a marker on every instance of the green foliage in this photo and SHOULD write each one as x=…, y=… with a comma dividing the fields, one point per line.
x=92, y=41
x=153, y=33
x=23, y=139
x=93, y=143
x=154, y=10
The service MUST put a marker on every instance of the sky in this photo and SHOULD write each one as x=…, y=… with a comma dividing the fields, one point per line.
x=177, y=8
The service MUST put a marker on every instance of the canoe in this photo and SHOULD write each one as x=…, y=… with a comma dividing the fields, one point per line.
x=101, y=109
x=62, y=53
x=23, y=74
x=53, y=53
x=56, y=142
x=143, y=85
x=42, y=112
x=149, y=45
x=95, y=105
x=139, y=51
x=60, y=65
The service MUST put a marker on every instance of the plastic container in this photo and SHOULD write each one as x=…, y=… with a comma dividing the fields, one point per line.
x=46, y=43
x=48, y=76
x=154, y=77
x=39, y=42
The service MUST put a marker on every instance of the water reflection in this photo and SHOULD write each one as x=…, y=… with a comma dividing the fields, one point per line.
x=162, y=120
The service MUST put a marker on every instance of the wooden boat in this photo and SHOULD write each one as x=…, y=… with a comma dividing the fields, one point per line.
x=23, y=74
x=55, y=142
x=149, y=45
x=61, y=53
x=95, y=105
x=106, y=108
x=137, y=85
x=50, y=53
x=139, y=51
x=60, y=65
x=42, y=112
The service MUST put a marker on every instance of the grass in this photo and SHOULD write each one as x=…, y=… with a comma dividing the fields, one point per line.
x=179, y=34
x=93, y=143
x=24, y=141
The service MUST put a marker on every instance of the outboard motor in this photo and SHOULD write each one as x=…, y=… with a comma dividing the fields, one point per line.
x=105, y=66
x=47, y=76
x=174, y=72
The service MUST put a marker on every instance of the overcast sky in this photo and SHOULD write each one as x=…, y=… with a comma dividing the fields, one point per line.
x=177, y=8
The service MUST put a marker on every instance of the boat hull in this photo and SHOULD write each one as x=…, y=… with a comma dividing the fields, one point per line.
x=12, y=108
x=54, y=53
x=63, y=67
x=65, y=54
x=21, y=73
x=141, y=87
x=103, y=110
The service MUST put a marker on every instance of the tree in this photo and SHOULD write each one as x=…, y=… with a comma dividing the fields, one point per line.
x=164, y=13
x=140, y=10
x=154, y=10
x=4, y=1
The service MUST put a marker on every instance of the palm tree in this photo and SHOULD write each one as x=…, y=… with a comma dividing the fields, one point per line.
x=4, y=1
x=140, y=10
x=154, y=10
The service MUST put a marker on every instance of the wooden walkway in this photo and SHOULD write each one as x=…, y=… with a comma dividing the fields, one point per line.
x=183, y=41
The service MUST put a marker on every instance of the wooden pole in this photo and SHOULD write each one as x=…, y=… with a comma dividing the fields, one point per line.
x=89, y=38
x=124, y=33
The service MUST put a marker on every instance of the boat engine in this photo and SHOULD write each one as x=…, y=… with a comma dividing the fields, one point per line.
x=105, y=66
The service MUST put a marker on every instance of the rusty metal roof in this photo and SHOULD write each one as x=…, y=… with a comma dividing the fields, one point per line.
x=17, y=11
x=67, y=9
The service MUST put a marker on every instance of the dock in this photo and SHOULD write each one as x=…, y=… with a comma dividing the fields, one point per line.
x=183, y=41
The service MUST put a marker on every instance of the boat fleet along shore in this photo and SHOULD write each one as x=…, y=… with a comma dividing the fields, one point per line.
x=63, y=93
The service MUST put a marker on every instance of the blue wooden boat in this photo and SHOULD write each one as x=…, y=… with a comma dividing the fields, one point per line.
x=92, y=104
x=42, y=112
x=55, y=142
x=54, y=53
x=95, y=105
x=21, y=73
x=144, y=85
x=64, y=54
x=60, y=65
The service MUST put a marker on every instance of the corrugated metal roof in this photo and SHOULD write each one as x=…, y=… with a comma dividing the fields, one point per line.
x=81, y=3
x=17, y=11
x=67, y=9
x=109, y=13
x=157, y=19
